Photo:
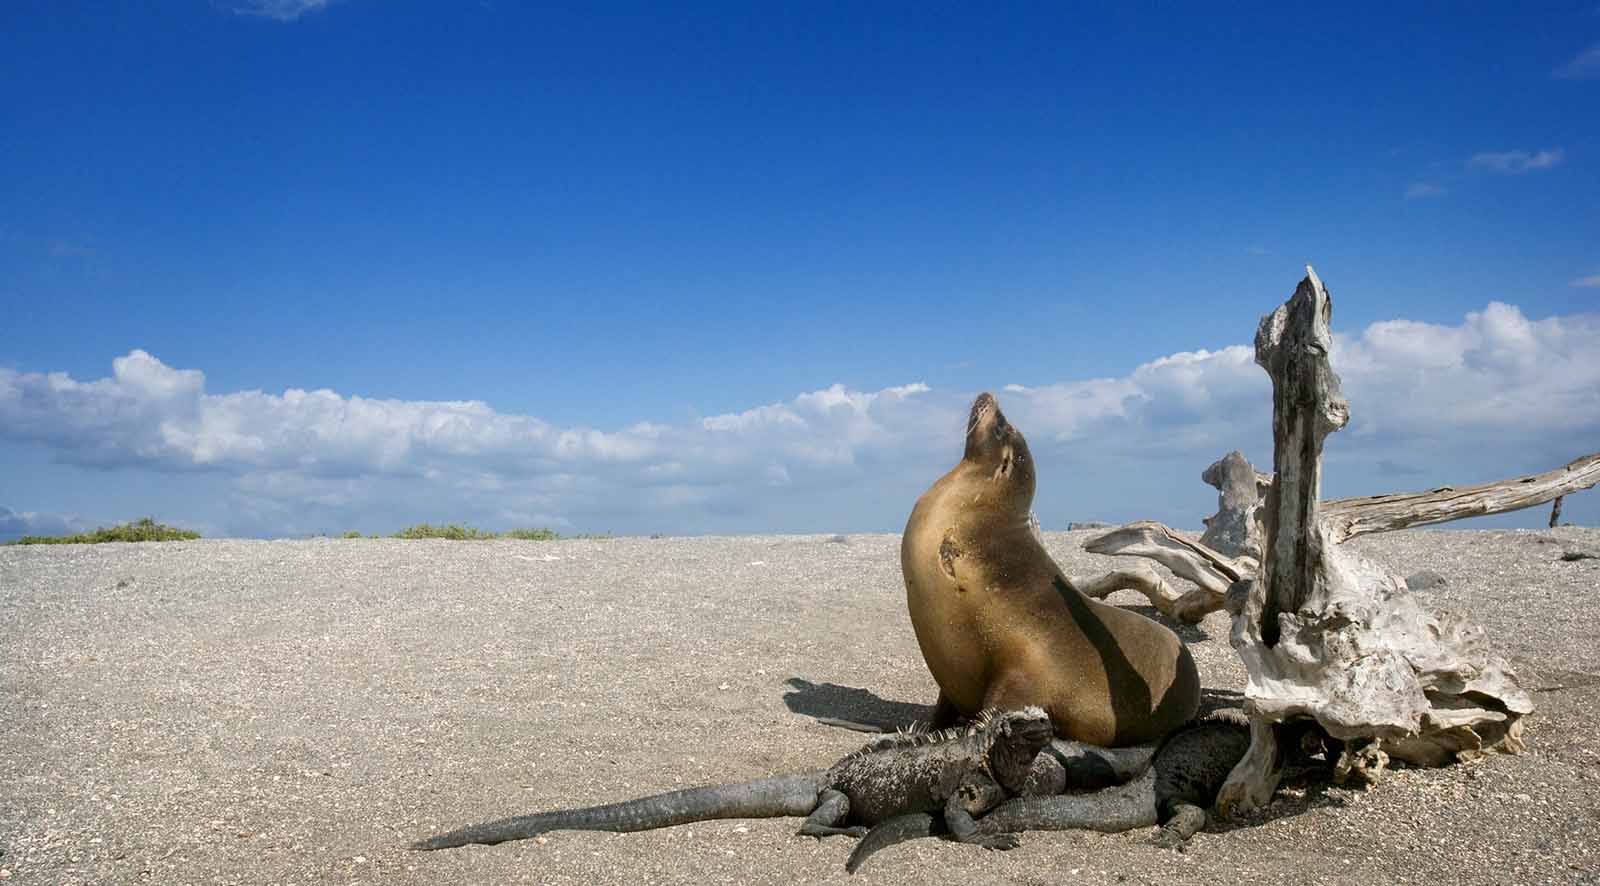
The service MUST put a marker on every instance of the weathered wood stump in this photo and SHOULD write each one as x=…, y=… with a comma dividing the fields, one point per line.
x=1328, y=637
x=1235, y=529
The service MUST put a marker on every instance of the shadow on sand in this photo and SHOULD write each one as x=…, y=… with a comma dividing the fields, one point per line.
x=846, y=706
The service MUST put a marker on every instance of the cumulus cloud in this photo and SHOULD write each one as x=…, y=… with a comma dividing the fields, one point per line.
x=1193, y=399
x=1585, y=66
x=1496, y=379
x=338, y=452
x=278, y=10
x=16, y=524
x=1590, y=282
x=1516, y=162
x=1496, y=373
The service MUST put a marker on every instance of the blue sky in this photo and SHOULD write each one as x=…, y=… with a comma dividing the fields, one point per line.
x=737, y=268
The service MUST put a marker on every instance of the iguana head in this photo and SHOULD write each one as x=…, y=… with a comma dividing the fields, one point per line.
x=1029, y=725
x=1016, y=737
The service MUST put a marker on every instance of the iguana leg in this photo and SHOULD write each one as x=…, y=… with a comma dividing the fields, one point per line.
x=1185, y=821
x=833, y=808
x=976, y=796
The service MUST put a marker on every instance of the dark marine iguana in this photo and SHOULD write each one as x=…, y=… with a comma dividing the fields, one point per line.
x=1185, y=773
x=959, y=772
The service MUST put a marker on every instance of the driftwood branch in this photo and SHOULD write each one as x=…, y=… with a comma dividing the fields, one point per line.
x=1139, y=578
x=1213, y=572
x=1347, y=518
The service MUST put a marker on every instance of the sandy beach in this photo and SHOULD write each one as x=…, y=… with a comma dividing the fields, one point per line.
x=299, y=711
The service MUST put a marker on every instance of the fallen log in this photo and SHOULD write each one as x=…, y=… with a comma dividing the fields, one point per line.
x=1346, y=518
x=1341, y=518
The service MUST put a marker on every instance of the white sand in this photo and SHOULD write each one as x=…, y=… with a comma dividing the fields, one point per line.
x=297, y=712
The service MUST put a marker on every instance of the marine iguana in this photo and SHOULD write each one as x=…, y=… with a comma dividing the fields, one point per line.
x=960, y=772
x=1186, y=772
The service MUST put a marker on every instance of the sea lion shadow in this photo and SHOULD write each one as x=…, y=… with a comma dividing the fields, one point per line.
x=1188, y=633
x=830, y=701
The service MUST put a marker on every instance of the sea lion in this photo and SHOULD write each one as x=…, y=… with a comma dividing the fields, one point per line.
x=1000, y=625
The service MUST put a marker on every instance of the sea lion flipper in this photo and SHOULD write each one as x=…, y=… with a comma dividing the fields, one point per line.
x=945, y=713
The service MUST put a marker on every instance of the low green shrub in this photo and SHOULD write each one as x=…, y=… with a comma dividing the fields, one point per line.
x=145, y=529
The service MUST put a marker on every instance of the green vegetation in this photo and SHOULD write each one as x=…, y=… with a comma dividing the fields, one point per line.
x=146, y=529
x=531, y=534
x=457, y=532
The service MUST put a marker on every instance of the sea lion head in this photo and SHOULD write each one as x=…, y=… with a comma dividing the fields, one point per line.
x=997, y=449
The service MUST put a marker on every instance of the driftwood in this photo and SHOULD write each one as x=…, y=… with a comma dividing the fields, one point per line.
x=1555, y=512
x=1342, y=519
x=1329, y=636
x=1213, y=572
x=1326, y=636
x=1347, y=518
x=1139, y=578
x=1235, y=529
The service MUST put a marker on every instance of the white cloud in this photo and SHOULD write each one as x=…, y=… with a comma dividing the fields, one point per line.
x=1516, y=162
x=1496, y=382
x=1186, y=401
x=1424, y=190
x=1497, y=374
x=278, y=10
x=337, y=452
x=15, y=524
x=1590, y=282
x=1585, y=66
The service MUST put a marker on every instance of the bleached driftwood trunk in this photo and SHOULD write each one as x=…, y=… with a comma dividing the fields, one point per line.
x=1330, y=636
x=1325, y=635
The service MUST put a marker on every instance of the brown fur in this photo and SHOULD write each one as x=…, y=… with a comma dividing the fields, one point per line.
x=999, y=624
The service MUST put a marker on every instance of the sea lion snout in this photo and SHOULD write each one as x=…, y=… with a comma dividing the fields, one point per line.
x=984, y=406
x=986, y=427
x=998, y=448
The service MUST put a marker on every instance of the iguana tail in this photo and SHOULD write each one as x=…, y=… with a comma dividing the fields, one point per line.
x=1110, y=810
x=899, y=829
x=765, y=798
